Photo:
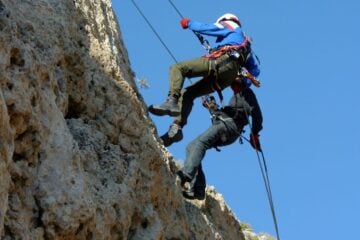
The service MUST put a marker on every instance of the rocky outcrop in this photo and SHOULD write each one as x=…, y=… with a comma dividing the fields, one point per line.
x=79, y=156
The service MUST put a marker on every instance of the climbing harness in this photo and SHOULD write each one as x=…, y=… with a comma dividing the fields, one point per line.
x=214, y=68
x=217, y=113
x=225, y=49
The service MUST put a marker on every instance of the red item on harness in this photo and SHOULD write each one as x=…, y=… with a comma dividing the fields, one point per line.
x=236, y=87
x=251, y=77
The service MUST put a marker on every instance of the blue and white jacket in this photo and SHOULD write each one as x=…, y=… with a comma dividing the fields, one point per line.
x=227, y=33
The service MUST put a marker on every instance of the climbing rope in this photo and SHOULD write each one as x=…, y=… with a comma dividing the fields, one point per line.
x=154, y=31
x=203, y=41
x=265, y=176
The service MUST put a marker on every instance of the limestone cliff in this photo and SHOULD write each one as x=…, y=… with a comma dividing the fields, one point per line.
x=79, y=156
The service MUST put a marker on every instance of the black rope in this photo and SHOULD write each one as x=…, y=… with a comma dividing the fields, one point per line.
x=154, y=31
x=176, y=9
x=202, y=40
x=265, y=176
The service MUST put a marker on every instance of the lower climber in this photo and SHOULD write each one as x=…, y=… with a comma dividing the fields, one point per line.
x=227, y=126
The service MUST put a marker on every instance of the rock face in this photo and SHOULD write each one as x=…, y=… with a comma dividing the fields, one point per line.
x=79, y=157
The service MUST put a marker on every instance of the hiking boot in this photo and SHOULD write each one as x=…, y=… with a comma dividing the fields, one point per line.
x=169, y=107
x=194, y=193
x=183, y=179
x=173, y=135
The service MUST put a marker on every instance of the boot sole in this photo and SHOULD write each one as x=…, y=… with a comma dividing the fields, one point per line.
x=197, y=197
x=162, y=112
x=167, y=141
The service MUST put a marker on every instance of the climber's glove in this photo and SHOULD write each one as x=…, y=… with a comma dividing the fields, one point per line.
x=255, y=142
x=185, y=23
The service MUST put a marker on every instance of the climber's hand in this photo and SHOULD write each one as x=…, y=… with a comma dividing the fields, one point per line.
x=255, y=141
x=184, y=23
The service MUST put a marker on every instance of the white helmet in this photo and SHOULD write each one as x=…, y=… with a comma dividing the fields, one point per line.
x=228, y=17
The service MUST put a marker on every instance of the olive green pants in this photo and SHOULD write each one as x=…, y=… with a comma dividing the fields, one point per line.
x=212, y=79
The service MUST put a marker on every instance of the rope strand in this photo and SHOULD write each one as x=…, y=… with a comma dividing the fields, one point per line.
x=176, y=9
x=265, y=176
x=154, y=31
x=266, y=180
x=205, y=43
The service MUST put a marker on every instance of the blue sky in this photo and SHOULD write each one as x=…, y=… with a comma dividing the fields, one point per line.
x=309, y=52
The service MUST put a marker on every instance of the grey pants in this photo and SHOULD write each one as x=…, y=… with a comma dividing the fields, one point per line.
x=220, y=133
